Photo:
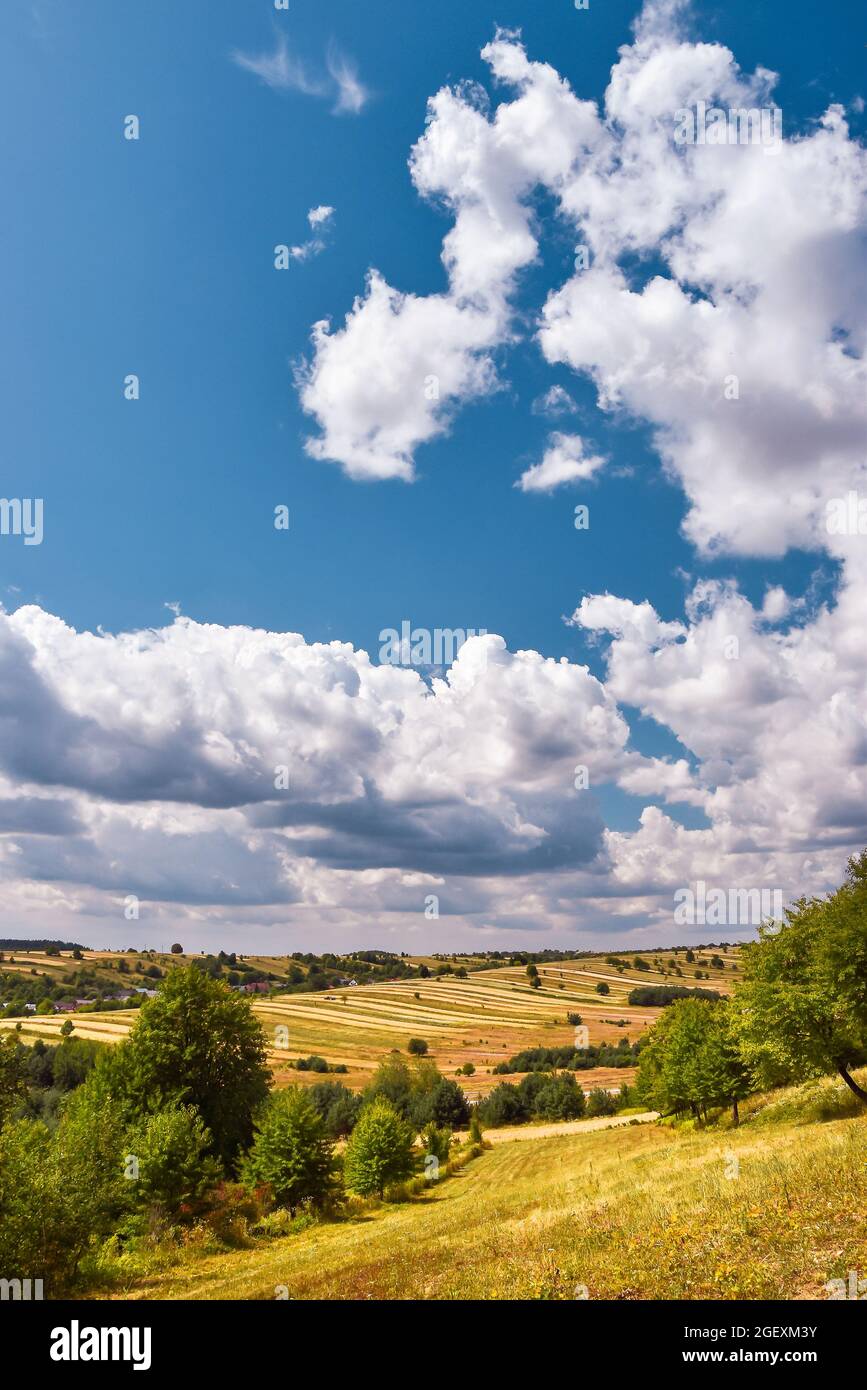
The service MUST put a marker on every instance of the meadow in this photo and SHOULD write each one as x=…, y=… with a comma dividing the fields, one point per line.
x=774, y=1209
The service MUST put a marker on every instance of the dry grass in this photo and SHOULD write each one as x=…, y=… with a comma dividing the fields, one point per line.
x=643, y=1212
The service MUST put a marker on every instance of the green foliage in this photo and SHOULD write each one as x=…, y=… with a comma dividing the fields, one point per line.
x=504, y=1105
x=603, y=988
x=175, y=1169
x=691, y=1060
x=338, y=1106
x=561, y=1098
x=380, y=1150
x=59, y=1193
x=444, y=1104
x=312, y=1063
x=601, y=1102
x=437, y=1141
x=392, y=1081
x=663, y=995
x=417, y=1047
x=801, y=1009
x=475, y=1134
x=576, y=1059
x=13, y=1075
x=292, y=1152
x=196, y=1043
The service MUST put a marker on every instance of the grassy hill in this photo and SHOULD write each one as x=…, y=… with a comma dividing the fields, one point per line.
x=772, y=1210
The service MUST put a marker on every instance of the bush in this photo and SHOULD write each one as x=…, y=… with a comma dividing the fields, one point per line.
x=174, y=1167
x=292, y=1152
x=561, y=1098
x=601, y=1102
x=437, y=1142
x=380, y=1150
x=504, y=1106
x=417, y=1047
x=338, y=1106
x=313, y=1063
x=232, y=1210
x=663, y=995
x=444, y=1104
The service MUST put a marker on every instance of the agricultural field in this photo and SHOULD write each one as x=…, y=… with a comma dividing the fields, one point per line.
x=480, y=1020
x=774, y=1209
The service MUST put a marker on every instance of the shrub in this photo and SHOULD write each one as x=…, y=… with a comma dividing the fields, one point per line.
x=561, y=1098
x=444, y=1104
x=292, y=1152
x=338, y=1106
x=503, y=1106
x=437, y=1142
x=417, y=1047
x=601, y=1102
x=380, y=1150
x=175, y=1169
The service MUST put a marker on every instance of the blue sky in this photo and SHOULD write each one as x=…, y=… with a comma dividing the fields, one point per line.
x=156, y=257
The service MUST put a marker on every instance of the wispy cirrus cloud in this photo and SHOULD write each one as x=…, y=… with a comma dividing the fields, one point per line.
x=282, y=71
x=352, y=95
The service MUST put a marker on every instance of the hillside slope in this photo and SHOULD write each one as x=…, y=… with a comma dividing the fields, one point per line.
x=772, y=1210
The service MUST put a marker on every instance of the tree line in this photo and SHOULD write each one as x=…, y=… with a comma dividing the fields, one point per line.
x=799, y=1011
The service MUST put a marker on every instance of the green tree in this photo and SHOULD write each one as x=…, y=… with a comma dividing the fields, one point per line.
x=602, y=988
x=13, y=1075
x=437, y=1142
x=173, y=1164
x=292, y=1152
x=560, y=1098
x=417, y=1047
x=801, y=1009
x=393, y=1081
x=197, y=1043
x=442, y=1104
x=379, y=1151
x=338, y=1106
x=177, y=949
x=692, y=1061
x=601, y=1102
